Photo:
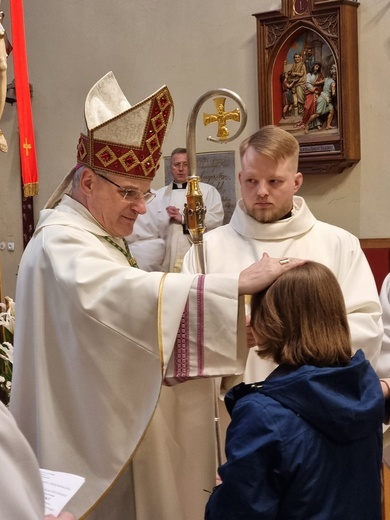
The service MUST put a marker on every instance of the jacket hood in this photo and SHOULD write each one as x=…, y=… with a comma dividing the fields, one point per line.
x=344, y=403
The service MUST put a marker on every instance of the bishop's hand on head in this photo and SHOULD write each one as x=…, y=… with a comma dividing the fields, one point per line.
x=262, y=273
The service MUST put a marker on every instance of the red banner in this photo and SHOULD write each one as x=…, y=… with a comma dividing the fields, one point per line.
x=28, y=158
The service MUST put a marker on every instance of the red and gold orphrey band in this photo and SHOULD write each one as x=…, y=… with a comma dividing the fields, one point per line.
x=136, y=162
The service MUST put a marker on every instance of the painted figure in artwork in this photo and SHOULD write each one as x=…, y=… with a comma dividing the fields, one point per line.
x=313, y=88
x=297, y=74
x=287, y=96
x=326, y=102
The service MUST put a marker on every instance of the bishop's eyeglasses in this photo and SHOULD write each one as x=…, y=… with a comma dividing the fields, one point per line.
x=130, y=194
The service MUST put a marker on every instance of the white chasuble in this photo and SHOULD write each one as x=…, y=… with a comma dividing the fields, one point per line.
x=94, y=340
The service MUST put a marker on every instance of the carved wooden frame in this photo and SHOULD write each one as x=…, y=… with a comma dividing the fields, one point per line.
x=332, y=25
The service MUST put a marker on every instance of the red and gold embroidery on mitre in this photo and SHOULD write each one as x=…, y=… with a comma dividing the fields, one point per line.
x=120, y=138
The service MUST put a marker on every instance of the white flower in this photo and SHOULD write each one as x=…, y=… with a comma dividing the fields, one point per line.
x=8, y=350
x=7, y=318
x=7, y=322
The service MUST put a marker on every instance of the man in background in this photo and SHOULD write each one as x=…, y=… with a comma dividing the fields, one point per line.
x=160, y=238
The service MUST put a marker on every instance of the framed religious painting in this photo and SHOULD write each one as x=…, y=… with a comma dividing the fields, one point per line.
x=308, y=80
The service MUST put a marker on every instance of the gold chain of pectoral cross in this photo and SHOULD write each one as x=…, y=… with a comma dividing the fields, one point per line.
x=125, y=251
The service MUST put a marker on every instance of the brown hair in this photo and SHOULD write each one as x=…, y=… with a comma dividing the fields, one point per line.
x=272, y=141
x=301, y=318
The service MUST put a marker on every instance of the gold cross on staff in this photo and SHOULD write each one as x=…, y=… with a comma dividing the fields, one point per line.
x=26, y=146
x=221, y=117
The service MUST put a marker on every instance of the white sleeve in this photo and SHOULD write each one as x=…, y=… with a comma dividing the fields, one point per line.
x=20, y=479
x=211, y=339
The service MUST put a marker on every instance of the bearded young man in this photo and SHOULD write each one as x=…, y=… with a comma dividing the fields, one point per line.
x=271, y=218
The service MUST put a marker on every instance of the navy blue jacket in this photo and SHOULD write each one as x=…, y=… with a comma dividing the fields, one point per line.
x=305, y=444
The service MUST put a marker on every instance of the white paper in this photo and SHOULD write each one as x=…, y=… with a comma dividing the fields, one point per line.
x=59, y=488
